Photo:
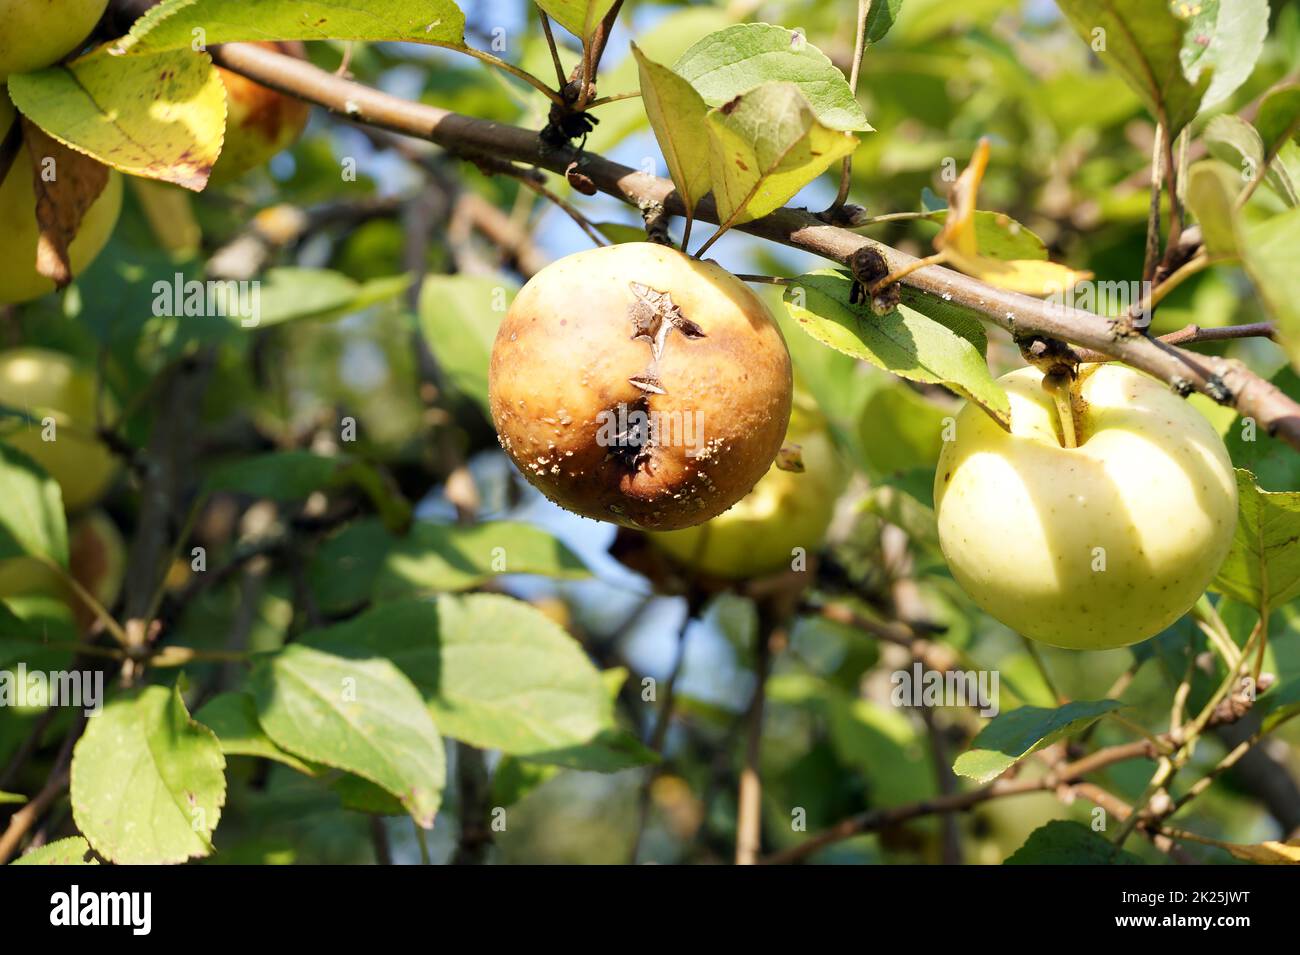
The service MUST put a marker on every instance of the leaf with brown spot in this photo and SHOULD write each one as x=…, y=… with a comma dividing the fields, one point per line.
x=67, y=184
x=160, y=116
x=171, y=25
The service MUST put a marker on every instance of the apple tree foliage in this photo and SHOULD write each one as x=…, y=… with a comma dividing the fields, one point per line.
x=357, y=614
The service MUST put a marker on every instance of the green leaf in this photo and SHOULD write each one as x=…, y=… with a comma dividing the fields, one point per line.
x=677, y=116
x=515, y=778
x=276, y=475
x=359, y=714
x=361, y=795
x=881, y=18
x=233, y=718
x=1278, y=118
x=159, y=116
x=1233, y=140
x=1060, y=842
x=70, y=851
x=579, y=17
x=1142, y=40
x=343, y=570
x=449, y=557
x=610, y=751
x=459, y=315
x=740, y=58
x=1226, y=37
x=1279, y=705
x=148, y=782
x=1212, y=196
x=1263, y=566
x=296, y=294
x=295, y=475
x=903, y=342
x=1012, y=736
x=901, y=430
x=881, y=743
x=766, y=145
x=364, y=562
x=1275, y=464
x=495, y=672
x=1269, y=257
x=174, y=24
x=31, y=510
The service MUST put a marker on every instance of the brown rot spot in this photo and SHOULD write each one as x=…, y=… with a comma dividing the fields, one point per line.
x=729, y=107
x=742, y=165
x=947, y=476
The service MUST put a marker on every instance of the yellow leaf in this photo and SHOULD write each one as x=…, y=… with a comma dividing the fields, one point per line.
x=766, y=145
x=1030, y=276
x=959, y=239
x=958, y=232
x=677, y=116
x=161, y=116
x=1268, y=853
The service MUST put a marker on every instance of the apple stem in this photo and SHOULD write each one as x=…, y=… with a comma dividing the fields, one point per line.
x=1059, y=387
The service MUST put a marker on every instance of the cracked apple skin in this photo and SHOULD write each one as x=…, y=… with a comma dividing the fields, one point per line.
x=36, y=33
x=19, y=280
x=1021, y=518
x=565, y=359
x=785, y=510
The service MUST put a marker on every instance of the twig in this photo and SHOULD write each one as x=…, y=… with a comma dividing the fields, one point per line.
x=1195, y=334
x=1227, y=381
x=663, y=720
x=474, y=794
x=859, y=45
x=555, y=52
x=533, y=182
x=1152, y=257
x=749, y=799
x=876, y=819
x=31, y=812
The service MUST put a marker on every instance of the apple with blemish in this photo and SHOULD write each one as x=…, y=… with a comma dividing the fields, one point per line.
x=1095, y=546
x=786, y=510
x=636, y=385
x=260, y=122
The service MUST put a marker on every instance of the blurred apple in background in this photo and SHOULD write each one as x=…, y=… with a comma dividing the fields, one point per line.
x=785, y=510
x=42, y=384
x=259, y=122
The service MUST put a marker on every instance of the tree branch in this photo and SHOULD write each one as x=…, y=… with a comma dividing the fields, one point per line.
x=1224, y=380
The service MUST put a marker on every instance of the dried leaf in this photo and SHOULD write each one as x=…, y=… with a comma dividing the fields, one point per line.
x=67, y=183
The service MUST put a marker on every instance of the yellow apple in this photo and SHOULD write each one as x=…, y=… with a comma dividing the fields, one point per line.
x=259, y=122
x=96, y=560
x=1092, y=547
x=785, y=510
x=35, y=34
x=49, y=384
x=19, y=280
